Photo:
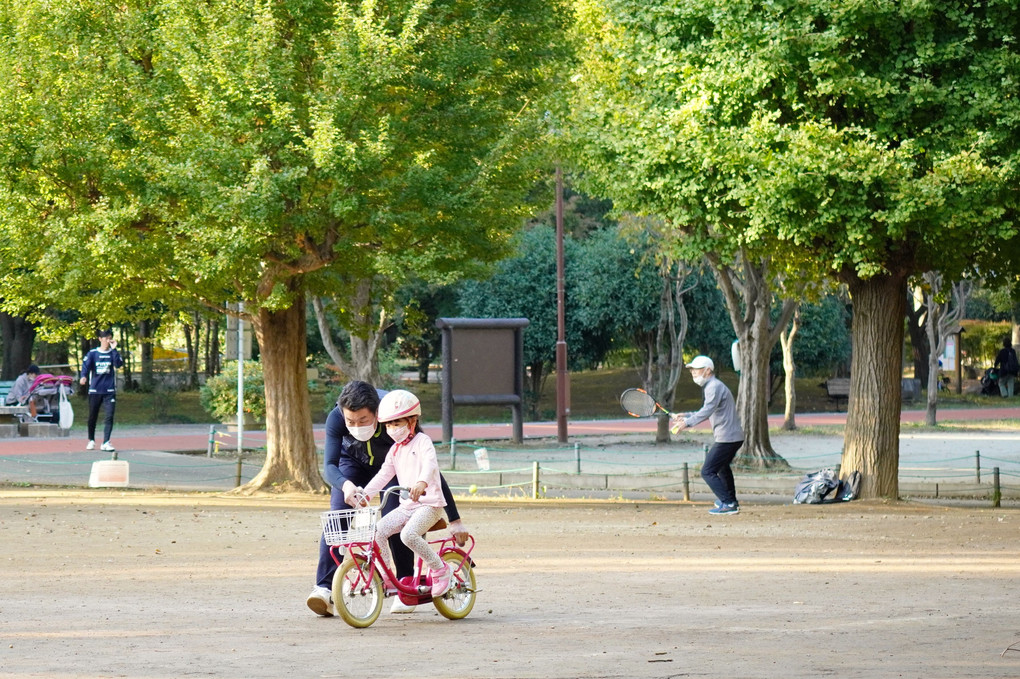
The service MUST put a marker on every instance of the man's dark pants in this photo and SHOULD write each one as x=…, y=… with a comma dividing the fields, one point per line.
x=717, y=473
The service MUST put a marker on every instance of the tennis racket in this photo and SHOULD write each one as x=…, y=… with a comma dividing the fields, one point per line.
x=639, y=403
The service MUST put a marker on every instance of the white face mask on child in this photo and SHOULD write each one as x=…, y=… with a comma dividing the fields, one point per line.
x=399, y=434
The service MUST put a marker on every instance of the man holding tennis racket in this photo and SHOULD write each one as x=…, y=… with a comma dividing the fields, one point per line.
x=719, y=409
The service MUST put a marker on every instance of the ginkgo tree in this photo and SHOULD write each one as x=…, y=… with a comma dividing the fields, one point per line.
x=257, y=152
x=865, y=141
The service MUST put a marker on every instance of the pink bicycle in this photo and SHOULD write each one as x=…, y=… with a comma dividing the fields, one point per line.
x=363, y=579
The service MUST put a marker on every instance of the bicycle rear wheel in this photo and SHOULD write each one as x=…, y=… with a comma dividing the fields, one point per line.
x=459, y=601
x=357, y=592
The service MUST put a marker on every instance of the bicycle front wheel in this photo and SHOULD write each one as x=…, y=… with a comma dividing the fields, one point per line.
x=357, y=592
x=459, y=601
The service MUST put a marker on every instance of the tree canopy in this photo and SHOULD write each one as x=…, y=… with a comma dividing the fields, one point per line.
x=254, y=151
x=866, y=141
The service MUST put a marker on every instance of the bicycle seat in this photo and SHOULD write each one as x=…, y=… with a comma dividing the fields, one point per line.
x=438, y=525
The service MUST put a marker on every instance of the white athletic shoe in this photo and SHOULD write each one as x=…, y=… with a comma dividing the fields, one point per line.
x=400, y=607
x=90, y=445
x=108, y=447
x=321, y=601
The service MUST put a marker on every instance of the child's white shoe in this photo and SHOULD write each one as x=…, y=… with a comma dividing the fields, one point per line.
x=400, y=607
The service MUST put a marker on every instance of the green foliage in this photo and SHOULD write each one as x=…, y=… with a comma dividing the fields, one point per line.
x=843, y=138
x=423, y=303
x=993, y=303
x=619, y=285
x=710, y=331
x=982, y=341
x=822, y=344
x=219, y=394
x=254, y=151
x=524, y=286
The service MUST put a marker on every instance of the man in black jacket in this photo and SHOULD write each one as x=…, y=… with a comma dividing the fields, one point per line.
x=1007, y=366
x=356, y=445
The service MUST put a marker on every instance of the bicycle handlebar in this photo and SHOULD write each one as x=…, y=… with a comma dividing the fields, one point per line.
x=361, y=497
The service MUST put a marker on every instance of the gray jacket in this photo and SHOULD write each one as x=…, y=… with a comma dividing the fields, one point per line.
x=720, y=410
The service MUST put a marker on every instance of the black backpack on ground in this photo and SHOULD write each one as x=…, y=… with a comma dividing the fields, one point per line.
x=850, y=487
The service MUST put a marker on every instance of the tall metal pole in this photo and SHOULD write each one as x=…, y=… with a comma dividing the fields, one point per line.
x=562, y=387
x=240, y=379
x=959, y=361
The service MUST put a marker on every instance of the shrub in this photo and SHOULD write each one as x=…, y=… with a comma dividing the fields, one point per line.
x=219, y=394
x=982, y=341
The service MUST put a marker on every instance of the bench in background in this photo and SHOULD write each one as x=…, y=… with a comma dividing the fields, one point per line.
x=838, y=389
x=6, y=411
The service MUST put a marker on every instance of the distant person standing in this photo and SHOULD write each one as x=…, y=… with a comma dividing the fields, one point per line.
x=99, y=371
x=1008, y=367
x=721, y=411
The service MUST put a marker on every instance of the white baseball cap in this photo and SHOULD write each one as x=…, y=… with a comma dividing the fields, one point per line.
x=699, y=362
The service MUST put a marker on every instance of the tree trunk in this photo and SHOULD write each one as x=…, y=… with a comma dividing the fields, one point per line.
x=663, y=356
x=942, y=320
x=753, y=395
x=369, y=327
x=786, y=338
x=871, y=440
x=918, y=338
x=749, y=296
x=18, y=339
x=212, y=349
x=193, y=342
x=146, y=331
x=291, y=459
x=534, y=380
x=936, y=344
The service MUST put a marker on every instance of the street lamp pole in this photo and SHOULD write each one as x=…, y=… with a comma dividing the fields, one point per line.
x=562, y=385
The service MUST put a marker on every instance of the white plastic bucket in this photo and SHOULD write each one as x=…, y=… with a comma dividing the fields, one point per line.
x=482, y=458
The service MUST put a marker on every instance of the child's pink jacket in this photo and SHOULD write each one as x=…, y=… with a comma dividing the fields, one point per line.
x=412, y=462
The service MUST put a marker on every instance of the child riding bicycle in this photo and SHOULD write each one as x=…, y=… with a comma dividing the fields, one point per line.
x=412, y=458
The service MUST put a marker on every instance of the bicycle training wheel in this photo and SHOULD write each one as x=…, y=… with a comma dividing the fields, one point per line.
x=357, y=596
x=459, y=601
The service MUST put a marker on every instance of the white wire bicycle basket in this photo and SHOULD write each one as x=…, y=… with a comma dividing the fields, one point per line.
x=360, y=525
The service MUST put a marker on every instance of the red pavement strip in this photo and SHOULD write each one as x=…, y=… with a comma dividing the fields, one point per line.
x=169, y=442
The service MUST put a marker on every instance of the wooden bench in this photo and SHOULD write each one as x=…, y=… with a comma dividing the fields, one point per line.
x=911, y=389
x=837, y=389
x=6, y=411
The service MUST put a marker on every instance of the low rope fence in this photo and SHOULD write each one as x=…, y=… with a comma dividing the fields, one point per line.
x=475, y=468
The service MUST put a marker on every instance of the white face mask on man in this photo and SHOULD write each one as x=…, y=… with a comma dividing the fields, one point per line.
x=362, y=433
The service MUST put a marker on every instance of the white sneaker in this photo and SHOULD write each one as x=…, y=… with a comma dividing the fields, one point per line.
x=400, y=607
x=108, y=447
x=90, y=445
x=321, y=601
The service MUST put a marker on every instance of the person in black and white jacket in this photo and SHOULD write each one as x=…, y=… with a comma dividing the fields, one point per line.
x=99, y=371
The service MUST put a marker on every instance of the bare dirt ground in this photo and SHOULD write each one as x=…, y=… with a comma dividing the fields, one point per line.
x=111, y=584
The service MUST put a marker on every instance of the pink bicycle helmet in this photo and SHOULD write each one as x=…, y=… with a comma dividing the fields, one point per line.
x=398, y=404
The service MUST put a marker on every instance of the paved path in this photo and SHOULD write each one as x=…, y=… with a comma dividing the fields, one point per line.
x=190, y=438
x=153, y=452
